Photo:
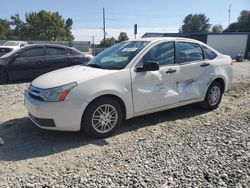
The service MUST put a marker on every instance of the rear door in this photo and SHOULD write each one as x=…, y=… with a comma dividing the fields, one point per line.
x=56, y=58
x=195, y=71
x=27, y=64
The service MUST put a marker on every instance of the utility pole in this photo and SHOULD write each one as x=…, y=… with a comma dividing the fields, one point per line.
x=104, y=28
x=135, y=30
x=229, y=14
x=93, y=45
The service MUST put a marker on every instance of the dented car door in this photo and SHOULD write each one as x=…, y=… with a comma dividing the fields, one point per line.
x=195, y=72
x=155, y=89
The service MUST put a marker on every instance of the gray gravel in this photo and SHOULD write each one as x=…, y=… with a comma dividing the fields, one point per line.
x=183, y=147
x=242, y=71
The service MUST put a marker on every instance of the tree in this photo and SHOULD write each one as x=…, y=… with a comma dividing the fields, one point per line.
x=243, y=23
x=5, y=30
x=20, y=31
x=123, y=37
x=195, y=23
x=108, y=42
x=42, y=25
x=48, y=26
x=217, y=28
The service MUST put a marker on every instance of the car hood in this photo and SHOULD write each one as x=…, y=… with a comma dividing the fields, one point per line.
x=68, y=75
x=10, y=47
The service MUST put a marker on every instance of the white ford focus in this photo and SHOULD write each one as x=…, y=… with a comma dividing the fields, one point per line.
x=130, y=79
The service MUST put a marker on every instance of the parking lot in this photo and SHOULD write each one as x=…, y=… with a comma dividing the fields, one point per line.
x=184, y=145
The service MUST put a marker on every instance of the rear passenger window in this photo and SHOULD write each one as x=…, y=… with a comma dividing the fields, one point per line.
x=162, y=53
x=189, y=52
x=209, y=54
x=55, y=51
x=73, y=52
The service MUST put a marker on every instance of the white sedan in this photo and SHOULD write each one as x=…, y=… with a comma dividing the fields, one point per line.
x=130, y=79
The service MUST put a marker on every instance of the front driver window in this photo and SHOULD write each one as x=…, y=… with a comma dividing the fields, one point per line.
x=162, y=53
x=33, y=52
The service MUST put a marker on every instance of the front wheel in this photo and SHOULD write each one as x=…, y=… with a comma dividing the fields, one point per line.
x=102, y=117
x=213, y=96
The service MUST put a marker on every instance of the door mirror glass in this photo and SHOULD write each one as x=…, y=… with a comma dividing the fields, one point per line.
x=16, y=56
x=149, y=66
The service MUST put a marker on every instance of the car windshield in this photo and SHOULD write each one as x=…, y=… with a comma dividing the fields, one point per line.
x=11, y=43
x=10, y=53
x=4, y=51
x=118, y=56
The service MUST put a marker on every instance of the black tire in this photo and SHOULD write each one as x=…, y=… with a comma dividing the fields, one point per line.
x=3, y=77
x=207, y=103
x=88, y=120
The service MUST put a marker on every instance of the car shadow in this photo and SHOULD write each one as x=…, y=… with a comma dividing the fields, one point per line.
x=23, y=140
x=18, y=82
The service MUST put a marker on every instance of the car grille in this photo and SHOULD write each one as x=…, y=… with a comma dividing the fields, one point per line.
x=35, y=92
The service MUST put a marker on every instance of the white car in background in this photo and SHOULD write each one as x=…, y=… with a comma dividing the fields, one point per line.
x=10, y=46
x=14, y=44
x=130, y=79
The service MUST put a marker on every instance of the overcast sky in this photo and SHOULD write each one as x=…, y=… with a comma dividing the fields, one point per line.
x=150, y=15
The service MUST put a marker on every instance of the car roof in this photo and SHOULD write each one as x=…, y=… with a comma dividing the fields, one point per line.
x=46, y=44
x=16, y=41
x=155, y=39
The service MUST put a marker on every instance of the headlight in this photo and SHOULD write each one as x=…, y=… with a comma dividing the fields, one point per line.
x=58, y=93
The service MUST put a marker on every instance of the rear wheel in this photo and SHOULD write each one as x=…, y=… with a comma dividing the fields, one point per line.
x=3, y=77
x=102, y=117
x=213, y=96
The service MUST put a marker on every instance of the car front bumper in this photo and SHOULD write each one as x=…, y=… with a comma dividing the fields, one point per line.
x=62, y=116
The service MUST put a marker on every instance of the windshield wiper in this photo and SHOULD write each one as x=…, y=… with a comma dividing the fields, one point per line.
x=94, y=66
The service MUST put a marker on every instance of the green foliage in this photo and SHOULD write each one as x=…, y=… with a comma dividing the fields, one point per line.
x=108, y=42
x=40, y=25
x=20, y=31
x=217, y=28
x=111, y=41
x=5, y=30
x=195, y=23
x=243, y=23
x=123, y=37
x=48, y=26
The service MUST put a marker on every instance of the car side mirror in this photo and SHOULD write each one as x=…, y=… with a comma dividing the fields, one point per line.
x=148, y=66
x=17, y=56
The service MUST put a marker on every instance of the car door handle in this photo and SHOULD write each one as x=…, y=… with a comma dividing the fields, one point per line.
x=170, y=71
x=204, y=64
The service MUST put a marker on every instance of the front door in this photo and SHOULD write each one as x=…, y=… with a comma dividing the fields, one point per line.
x=27, y=64
x=156, y=89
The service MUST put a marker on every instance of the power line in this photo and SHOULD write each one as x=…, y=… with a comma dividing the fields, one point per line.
x=229, y=14
x=104, y=32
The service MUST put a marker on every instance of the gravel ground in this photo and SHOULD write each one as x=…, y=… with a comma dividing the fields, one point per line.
x=182, y=147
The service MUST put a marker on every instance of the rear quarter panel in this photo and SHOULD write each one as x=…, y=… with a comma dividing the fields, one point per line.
x=223, y=69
